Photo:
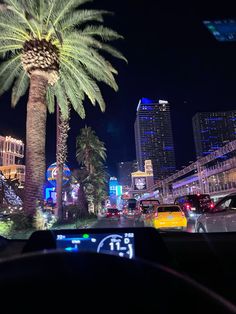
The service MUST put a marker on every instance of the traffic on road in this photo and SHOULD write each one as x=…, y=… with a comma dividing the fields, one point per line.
x=190, y=213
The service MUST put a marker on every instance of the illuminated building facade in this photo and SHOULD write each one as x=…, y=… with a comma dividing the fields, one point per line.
x=11, y=154
x=142, y=180
x=153, y=137
x=213, y=130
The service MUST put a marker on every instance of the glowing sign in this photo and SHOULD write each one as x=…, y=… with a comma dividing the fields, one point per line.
x=163, y=102
x=119, y=190
x=113, y=183
x=140, y=183
x=52, y=174
x=13, y=140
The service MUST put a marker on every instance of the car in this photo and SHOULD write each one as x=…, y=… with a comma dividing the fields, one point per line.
x=131, y=209
x=194, y=205
x=132, y=214
x=166, y=217
x=146, y=207
x=113, y=213
x=219, y=218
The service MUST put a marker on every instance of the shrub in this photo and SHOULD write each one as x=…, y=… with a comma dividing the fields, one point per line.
x=5, y=228
x=39, y=222
x=21, y=221
x=44, y=219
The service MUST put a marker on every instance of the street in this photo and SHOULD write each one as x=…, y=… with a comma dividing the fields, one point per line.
x=115, y=223
x=126, y=223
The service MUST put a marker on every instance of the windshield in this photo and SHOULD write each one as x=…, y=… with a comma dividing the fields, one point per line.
x=163, y=131
x=169, y=209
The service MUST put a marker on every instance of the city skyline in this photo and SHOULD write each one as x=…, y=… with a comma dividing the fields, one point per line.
x=192, y=70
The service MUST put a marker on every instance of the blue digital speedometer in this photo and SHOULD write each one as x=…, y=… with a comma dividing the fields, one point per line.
x=119, y=244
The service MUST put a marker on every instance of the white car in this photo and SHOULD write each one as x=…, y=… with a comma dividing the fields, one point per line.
x=220, y=218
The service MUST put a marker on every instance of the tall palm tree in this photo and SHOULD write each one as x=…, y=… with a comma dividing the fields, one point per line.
x=100, y=184
x=48, y=46
x=91, y=153
x=89, y=149
x=62, y=136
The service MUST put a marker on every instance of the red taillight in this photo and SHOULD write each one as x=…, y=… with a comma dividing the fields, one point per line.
x=212, y=205
x=188, y=206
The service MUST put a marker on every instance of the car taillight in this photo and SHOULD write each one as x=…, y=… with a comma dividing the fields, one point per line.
x=188, y=206
x=212, y=205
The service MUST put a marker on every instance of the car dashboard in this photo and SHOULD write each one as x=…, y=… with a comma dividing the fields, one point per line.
x=208, y=258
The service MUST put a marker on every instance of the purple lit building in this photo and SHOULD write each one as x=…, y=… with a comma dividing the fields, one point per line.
x=153, y=137
x=213, y=130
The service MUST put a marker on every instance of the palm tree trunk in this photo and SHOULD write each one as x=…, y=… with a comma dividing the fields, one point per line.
x=35, y=141
x=59, y=169
x=59, y=209
x=62, y=135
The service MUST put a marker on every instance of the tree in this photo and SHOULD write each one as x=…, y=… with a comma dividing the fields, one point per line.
x=89, y=149
x=91, y=153
x=79, y=176
x=62, y=135
x=48, y=46
x=100, y=184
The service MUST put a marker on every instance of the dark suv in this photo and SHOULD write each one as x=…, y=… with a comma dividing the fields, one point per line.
x=194, y=205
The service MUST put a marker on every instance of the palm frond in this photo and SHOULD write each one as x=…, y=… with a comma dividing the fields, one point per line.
x=74, y=93
x=80, y=17
x=61, y=8
x=50, y=99
x=18, y=9
x=20, y=87
x=8, y=71
x=62, y=99
x=96, y=67
x=105, y=33
x=80, y=47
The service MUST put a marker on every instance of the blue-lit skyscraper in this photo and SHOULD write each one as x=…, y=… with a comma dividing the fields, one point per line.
x=153, y=137
x=213, y=130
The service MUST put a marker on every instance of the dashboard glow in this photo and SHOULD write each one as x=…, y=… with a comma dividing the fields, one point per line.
x=119, y=244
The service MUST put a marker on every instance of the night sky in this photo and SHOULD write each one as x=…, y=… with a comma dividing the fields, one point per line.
x=171, y=56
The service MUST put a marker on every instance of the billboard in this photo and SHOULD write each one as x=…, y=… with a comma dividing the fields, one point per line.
x=52, y=174
x=113, y=183
x=140, y=183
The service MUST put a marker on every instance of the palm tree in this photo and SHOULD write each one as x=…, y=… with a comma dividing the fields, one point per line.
x=89, y=149
x=48, y=46
x=100, y=183
x=91, y=153
x=62, y=135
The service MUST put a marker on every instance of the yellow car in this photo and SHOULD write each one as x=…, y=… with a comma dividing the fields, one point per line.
x=167, y=216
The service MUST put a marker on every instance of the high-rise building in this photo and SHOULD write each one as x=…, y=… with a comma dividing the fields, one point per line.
x=213, y=130
x=11, y=154
x=124, y=169
x=153, y=137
